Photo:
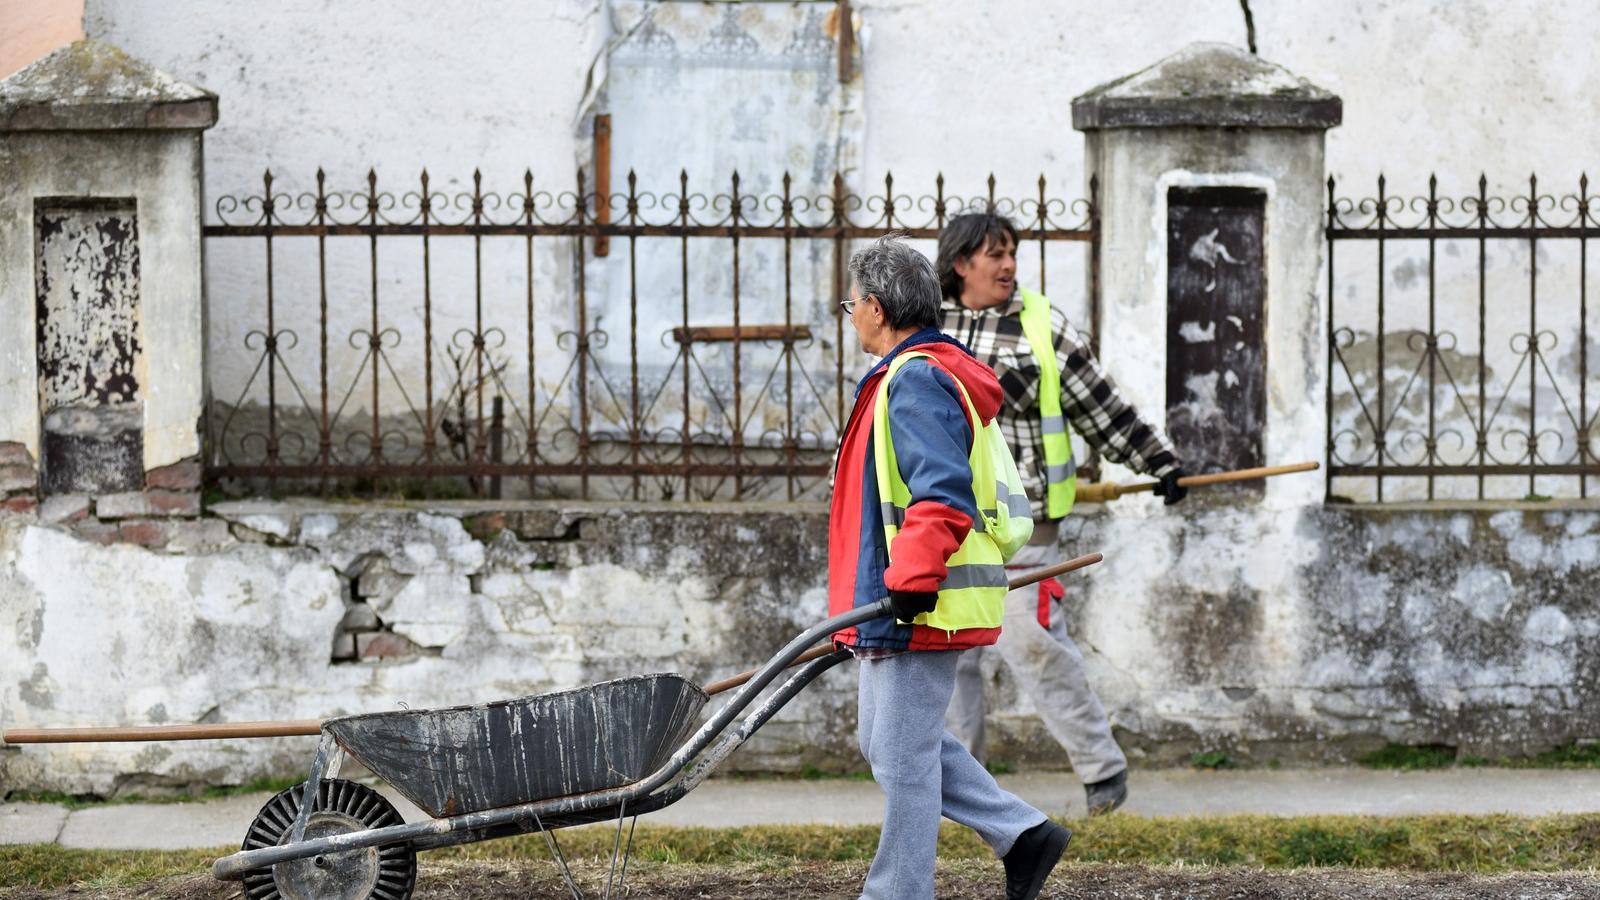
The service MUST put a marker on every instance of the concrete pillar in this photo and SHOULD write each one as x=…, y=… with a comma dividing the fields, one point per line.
x=100, y=281
x=1210, y=169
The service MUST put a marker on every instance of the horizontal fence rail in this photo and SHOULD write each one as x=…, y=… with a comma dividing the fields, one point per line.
x=575, y=343
x=1458, y=346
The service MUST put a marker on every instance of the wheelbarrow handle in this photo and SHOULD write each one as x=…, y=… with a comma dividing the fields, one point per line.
x=821, y=650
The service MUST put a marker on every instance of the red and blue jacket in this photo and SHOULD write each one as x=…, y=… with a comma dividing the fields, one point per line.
x=932, y=441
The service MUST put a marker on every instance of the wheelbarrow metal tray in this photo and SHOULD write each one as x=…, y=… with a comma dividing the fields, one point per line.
x=464, y=759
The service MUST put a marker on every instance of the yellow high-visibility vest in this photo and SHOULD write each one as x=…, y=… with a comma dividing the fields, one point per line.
x=1060, y=471
x=973, y=594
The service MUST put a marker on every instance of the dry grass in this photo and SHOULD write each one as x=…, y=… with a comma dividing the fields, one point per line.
x=1468, y=844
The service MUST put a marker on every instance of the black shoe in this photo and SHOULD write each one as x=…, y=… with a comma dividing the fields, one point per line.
x=1032, y=857
x=1105, y=796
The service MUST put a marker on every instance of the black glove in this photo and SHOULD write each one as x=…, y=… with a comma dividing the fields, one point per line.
x=1170, y=488
x=908, y=604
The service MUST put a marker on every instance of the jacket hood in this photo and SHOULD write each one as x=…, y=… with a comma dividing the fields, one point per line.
x=954, y=357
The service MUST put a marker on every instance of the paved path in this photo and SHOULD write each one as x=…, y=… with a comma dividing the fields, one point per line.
x=728, y=802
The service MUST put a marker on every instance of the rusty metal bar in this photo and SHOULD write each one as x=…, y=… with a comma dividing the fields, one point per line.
x=1094, y=263
x=846, y=39
x=1583, y=335
x=738, y=343
x=695, y=230
x=375, y=338
x=582, y=345
x=324, y=429
x=1381, y=427
x=602, y=181
x=1512, y=469
x=1043, y=289
x=429, y=447
x=1432, y=344
x=634, y=424
x=533, y=359
x=270, y=346
x=789, y=442
x=687, y=352
x=497, y=434
x=1483, y=376
x=841, y=290
x=478, y=341
x=1533, y=331
x=515, y=470
x=1327, y=394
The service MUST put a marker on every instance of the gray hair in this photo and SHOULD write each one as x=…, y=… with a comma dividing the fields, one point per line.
x=901, y=278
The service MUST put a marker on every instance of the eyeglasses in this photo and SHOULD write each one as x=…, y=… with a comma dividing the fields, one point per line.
x=849, y=306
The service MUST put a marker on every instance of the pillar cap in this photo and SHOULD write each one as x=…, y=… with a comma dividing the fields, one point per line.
x=93, y=86
x=1208, y=85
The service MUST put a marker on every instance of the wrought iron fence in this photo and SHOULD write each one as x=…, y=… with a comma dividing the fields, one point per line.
x=1459, y=349
x=732, y=383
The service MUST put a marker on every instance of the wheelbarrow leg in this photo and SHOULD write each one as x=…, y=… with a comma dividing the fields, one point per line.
x=616, y=845
x=560, y=858
x=626, y=854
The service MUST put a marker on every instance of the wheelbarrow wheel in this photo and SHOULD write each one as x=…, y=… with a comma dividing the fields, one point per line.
x=384, y=873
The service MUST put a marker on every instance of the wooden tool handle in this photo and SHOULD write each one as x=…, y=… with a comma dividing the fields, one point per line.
x=163, y=732
x=1101, y=491
x=821, y=650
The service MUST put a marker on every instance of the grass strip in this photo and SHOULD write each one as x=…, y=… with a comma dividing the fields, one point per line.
x=1405, y=757
x=1477, y=844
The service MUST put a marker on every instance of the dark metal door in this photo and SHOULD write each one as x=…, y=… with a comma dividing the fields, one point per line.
x=1216, y=356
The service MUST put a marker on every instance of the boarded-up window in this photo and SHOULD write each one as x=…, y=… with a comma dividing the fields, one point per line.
x=1216, y=359
x=87, y=293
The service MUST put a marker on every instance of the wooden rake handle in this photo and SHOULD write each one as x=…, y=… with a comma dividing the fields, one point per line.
x=821, y=650
x=163, y=732
x=297, y=727
x=1101, y=491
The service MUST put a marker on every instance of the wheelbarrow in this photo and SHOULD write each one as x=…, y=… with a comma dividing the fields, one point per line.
x=608, y=751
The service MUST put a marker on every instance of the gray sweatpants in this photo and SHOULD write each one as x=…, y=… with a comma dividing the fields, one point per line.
x=924, y=773
x=1049, y=669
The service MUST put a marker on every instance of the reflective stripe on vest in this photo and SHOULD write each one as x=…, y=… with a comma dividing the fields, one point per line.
x=1017, y=503
x=1060, y=472
x=973, y=593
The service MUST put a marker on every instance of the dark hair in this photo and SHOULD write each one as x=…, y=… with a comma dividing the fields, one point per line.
x=963, y=236
x=901, y=278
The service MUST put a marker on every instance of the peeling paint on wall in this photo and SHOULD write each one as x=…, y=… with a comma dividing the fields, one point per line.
x=87, y=307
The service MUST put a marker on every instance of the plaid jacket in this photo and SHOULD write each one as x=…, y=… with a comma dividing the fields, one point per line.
x=1089, y=400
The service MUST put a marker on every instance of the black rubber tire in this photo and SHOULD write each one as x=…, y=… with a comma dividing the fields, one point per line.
x=396, y=864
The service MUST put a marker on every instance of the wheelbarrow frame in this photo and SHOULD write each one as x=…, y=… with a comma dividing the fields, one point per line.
x=655, y=791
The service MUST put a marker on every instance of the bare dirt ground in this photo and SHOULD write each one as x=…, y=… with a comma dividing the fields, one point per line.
x=474, y=880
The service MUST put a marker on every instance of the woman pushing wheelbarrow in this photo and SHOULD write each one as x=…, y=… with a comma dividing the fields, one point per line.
x=917, y=515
